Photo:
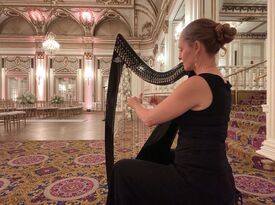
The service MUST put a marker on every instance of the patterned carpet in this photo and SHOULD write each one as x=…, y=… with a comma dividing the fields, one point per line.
x=256, y=185
x=73, y=172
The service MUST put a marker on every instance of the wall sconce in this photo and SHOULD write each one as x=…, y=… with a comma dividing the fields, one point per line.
x=40, y=74
x=161, y=59
x=87, y=18
x=88, y=75
x=39, y=77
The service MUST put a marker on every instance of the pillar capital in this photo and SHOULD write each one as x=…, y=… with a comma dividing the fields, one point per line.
x=88, y=55
x=40, y=54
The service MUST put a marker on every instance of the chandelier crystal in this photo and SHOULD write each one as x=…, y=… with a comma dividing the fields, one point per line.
x=50, y=44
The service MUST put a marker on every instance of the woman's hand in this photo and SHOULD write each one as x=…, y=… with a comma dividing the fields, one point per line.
x=134, y=101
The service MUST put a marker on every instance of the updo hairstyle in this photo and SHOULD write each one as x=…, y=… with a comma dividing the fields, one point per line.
x=213, y=35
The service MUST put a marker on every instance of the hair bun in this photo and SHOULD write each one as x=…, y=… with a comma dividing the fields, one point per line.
x=225, y=33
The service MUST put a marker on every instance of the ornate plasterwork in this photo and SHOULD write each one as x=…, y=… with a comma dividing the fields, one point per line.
x=165, y=26
x=38, y=18
x=88, y=55
x=86, y=17
x=65, y=64
x=17, y=64
x=40, y=55
x=149, y=60
x=251, y=36
x=53, y=2
x=244, y=8
x=147, y=29
x=9, y=12
x=155, y=50
x=109, y=14
x=41, y=18
x=105, y=64
x=113, y=1
x=139, y=17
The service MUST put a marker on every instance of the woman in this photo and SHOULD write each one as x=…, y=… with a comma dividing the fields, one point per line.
x=200, y=173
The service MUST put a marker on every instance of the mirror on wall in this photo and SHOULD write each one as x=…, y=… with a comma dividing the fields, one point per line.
x=66, y=87
x=16, y=86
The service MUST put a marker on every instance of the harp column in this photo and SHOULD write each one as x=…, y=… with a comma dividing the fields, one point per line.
x=88, y=80
x=40, y=72
x=268, y=146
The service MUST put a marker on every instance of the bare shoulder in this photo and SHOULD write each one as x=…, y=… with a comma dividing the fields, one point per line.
x=193, y=83
x=197, y=91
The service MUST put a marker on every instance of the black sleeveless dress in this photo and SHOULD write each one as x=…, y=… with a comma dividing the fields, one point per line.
x=199, y=174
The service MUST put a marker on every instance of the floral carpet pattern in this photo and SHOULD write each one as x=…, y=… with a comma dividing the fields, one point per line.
x=256, y=185
x=58, y=172
x=73, y=172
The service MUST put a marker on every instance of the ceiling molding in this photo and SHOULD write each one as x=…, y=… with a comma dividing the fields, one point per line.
x=239, y=8
x=155, y=9
x=72, y=3
x=251, y=36
x=152, y=16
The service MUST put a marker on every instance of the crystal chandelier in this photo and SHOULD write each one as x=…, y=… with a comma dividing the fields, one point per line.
x=50, y=44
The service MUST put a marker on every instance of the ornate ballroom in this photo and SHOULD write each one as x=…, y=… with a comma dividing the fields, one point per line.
x=55, y=60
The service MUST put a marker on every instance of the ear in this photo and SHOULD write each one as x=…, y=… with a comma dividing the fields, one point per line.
x=197, y=46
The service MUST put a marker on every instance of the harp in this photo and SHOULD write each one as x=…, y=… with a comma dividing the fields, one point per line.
x=157, y=145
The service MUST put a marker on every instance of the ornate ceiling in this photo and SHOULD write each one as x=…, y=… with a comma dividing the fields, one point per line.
x=248, y=16
x=86, y=23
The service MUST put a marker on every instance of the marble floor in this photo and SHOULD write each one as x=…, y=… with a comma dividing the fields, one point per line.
x=87, y=126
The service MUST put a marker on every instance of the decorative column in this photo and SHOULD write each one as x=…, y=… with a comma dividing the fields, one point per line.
x=51, y=79
x=88, y=81
x=40, y=76
x=79, y=81
x=173, y=31
x=268, y=146
x=135, y=23
x=172, y=54
x=32, y=76
x=2, y=80
x=195, y=9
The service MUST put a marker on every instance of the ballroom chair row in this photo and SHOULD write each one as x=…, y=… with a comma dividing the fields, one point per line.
x=43, y=109
x=13, y=118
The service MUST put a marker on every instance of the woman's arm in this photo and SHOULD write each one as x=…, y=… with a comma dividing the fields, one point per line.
x=194, y=93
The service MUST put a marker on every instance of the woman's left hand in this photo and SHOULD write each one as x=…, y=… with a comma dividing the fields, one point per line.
x=133, y=101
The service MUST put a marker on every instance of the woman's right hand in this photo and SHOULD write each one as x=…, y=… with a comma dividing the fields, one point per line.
x=134, y=101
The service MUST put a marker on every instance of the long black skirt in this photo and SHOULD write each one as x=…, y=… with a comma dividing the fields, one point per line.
x=138, y=182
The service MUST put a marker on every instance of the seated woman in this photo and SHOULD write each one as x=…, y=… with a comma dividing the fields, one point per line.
x=200, y=173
